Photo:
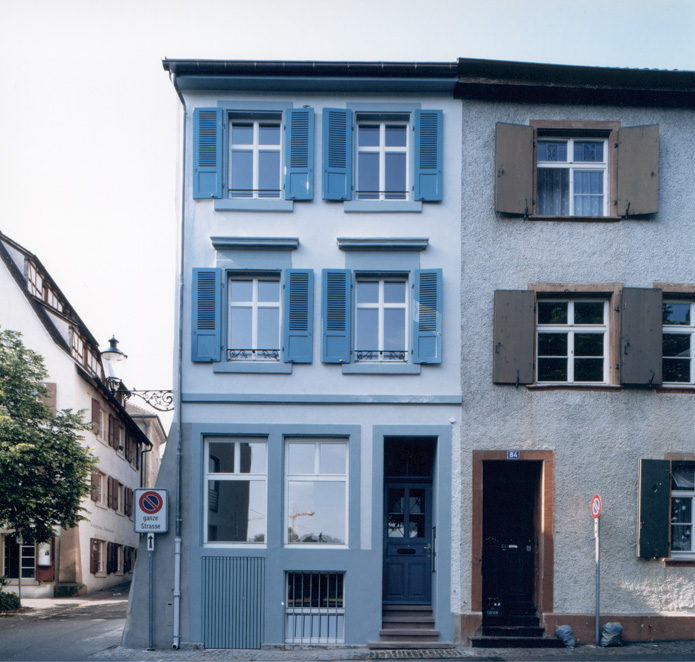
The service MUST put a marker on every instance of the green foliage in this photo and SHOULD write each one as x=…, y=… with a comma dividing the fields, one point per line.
x=44, y=468
x=8, y=601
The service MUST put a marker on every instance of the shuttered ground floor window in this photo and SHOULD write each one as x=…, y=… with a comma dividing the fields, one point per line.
x=315, y=612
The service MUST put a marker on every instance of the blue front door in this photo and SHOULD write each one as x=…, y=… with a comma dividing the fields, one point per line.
x=408, y=543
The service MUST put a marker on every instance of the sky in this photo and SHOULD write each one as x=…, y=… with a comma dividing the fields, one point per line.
x=89, y=119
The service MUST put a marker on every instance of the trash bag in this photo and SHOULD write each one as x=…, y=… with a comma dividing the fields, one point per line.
x=566, y=636
x=611, y=633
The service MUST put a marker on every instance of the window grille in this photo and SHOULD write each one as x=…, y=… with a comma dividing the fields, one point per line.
x=315, y=608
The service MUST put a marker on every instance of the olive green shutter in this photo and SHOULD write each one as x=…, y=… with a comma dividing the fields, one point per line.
x=640, y=336
x=638, y=170
x=653, y=514
x=514, y=169
x=513, y=337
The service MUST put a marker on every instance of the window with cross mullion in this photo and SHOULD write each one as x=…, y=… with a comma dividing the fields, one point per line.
x=380, y=319
x=572, y=339
x=255, y=159
x=254, y=318
x=678, y=331
x=572, y=177
x=382, y=161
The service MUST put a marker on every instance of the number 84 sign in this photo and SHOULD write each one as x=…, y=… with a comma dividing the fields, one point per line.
x=150, y=511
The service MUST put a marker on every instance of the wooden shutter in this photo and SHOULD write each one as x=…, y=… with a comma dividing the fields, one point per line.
x=206, y=336
x=427, y=328
x=207, y=153
x=653, y=512
x=513, y=337
x=96, y=485
x=96, y=417
x=640, y=336
x=428, y=155
x=638, y=170
x=112, y=496
x=299, y=154
x=337, y=154
x=336, y=315
x=514, y=169
x=298, y=315
x=94, y=556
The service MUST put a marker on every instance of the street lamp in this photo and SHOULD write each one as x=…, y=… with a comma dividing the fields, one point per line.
x=114, y=361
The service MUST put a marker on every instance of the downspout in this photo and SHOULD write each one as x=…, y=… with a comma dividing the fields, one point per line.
x=179, y=377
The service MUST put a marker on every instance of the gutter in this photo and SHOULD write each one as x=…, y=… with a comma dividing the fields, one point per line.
x=176, y=635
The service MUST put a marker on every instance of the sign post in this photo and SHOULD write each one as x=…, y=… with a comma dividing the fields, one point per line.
x=596, y=514
x=150, y=518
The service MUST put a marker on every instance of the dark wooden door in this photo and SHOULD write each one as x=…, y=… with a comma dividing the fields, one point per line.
x=509, y=539
x=408, y=543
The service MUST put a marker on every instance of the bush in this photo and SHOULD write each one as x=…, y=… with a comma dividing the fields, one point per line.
x=8, y=601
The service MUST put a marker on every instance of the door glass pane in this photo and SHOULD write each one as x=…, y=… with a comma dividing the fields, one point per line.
x=416, y=518
x=395, y=513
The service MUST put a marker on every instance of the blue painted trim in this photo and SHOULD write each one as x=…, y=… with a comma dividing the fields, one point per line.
x=230, y=105
x=380, y=107
x=301, y=399
x=229, y=204
x=382, y=244
x=380, y=369
x=376, y=206
x=442, y=86
x=255, y=243
x=251, y=367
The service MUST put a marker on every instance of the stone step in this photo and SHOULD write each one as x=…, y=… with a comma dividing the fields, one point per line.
x=411, y=621
x=512, y=631
x=411, y=634
x=409, y=645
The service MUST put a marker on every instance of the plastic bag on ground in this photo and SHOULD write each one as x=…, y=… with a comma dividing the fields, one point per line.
x=566, y=636
x=611, y=634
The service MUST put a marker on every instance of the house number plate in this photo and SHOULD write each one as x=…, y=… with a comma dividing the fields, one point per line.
x=513, y=455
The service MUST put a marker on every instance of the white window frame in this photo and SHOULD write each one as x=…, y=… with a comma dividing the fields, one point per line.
x=686, y=330
x=255, y=148
x=578, y=166
x=382, y=150
x=101, y=568
x=315, y=477
x=254, y=353
x=103, y=489
x=379, y=354
x=571, y=329
x=211, y=477
x=683, y=494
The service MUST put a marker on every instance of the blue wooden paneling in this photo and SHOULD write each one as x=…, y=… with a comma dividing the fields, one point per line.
x=232, y=604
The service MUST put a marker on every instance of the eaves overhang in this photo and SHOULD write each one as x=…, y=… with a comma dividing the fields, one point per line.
x=305, y=76
x=497, y=80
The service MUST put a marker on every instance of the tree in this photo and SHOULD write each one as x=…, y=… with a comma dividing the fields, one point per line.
x=44, y=468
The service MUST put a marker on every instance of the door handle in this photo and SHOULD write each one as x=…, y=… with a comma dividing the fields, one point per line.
x=428, y=551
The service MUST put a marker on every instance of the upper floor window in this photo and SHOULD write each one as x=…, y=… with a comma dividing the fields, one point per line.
x=569, y=169
x=572, y=177
x=678, y=332
x=380, y=319
x=572, y=341
x=382, y=159
x=256, y=156
x=254, y=170
x=682, y=511
x=77, y=346
x=386, y=319
x=34, y=280
x=269, y=321
x=254, y=318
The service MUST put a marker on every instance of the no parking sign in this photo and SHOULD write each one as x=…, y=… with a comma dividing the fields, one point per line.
x=150, y=511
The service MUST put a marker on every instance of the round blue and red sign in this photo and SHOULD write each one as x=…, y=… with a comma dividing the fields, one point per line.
x=151, y=503
x=596, y=506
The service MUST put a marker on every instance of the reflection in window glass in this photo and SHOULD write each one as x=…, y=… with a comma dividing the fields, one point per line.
x=682, y=494
x=677, y=342
x=382, y=161
x=236, y=490
x=316, y=491
x=255, y=159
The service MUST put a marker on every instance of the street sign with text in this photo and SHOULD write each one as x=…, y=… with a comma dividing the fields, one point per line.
x=150, y=511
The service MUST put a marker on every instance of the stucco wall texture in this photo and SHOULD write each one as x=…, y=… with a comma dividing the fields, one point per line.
x=597, y=436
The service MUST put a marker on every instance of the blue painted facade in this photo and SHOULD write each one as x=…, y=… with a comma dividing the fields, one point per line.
x=313, y=387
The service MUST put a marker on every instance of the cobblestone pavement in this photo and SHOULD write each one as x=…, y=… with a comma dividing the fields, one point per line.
x=670, y=651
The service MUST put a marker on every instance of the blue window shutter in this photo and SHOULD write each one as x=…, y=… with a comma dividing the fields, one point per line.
x=206, y=338
x=337, y=154
x=428, y=155
x=299, y=154
x=207, y=153
x=335, y=319
x=427, y=327
x=298, y=315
